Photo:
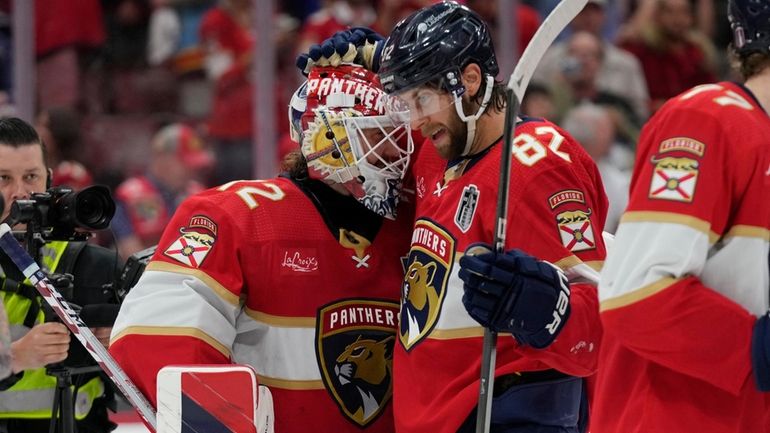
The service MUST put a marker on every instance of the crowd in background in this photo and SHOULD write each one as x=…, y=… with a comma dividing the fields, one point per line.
x=114, y=75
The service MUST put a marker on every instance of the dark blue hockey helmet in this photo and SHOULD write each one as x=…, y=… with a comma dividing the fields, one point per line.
x=750, y=22
x=435, y=44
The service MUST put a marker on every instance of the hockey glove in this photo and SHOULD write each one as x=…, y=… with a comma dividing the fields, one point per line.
x=515, y=292
x=760, y=352
x=359, y=45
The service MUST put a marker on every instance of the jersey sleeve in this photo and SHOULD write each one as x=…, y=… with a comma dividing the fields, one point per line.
x=653, y=300
x=183, y=309
x=559, y=218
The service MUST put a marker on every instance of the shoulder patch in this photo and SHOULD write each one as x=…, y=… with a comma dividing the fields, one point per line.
x=573, y=220
x=682, y=143
x=566, y=196
x=195, y=242
x=676, y=170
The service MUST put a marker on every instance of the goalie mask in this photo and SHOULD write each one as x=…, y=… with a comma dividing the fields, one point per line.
x=347, y=138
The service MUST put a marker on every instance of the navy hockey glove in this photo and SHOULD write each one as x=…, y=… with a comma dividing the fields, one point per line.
x=760, y=352
x=515, y=292
x=359, y=45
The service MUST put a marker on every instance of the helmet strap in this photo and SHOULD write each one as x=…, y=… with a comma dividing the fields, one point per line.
x=471, y=120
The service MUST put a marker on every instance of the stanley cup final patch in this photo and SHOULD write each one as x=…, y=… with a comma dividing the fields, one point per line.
x=195, y=242
x=676, y=169
x=466, y=208
x=573, y=220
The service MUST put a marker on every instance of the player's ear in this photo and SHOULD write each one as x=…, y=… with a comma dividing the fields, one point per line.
x=472, y=78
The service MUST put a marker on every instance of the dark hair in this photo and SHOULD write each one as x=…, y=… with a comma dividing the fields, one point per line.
x=15, y=132
x=295, y=165
x=750, y=64
x=497, y=99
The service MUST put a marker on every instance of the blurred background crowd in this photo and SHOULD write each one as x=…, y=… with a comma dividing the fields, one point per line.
x=160, y=98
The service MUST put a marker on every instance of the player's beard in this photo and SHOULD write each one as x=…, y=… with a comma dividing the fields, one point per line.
x=457, y=131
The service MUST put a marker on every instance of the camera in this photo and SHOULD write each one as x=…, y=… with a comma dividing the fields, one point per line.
x=57, y=213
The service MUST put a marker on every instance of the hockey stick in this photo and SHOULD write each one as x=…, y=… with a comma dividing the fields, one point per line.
x=70, y=318
x=556, y=21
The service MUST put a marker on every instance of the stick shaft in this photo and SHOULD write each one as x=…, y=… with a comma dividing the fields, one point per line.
x=70, y=318
x=556, y=21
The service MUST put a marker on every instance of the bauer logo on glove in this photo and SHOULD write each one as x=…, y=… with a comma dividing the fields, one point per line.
x=515, y=292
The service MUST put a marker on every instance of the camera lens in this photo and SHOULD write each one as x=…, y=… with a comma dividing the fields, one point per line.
x=94, y=208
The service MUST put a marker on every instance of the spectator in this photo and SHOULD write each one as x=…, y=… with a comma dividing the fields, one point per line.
x=165, y=31
x=227, y=43
x=592, y=126
x=577, y=83
x=673, y=54
x=619, y=73
x=538, y=102
x=146, y=202
x=335, y=15
x=59, y=129
x=527, y=20
x=66, y=33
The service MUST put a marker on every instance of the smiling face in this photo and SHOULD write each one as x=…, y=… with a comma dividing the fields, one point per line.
x=22, y=172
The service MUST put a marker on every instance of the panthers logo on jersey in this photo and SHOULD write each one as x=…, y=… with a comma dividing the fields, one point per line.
x=427, y=272
x=354, y=346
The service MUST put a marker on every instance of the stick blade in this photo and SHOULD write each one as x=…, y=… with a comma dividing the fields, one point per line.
x=556, y=21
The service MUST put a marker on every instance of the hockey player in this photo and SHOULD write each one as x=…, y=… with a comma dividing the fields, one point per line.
x=441, y=63
x=297, y=275
x=684, y=293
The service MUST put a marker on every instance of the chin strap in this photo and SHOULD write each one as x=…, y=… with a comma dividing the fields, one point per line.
x=471, y=120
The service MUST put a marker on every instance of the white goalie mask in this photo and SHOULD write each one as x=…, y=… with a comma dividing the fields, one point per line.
x=347, y=138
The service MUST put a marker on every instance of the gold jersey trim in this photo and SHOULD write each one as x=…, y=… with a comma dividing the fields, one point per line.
x=281, y=321
x=272, y=382
x=215, y=286
x=173, y=331
x=748, y=231
x=637, y=295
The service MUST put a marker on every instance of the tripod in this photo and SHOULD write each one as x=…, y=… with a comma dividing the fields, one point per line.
x=63, y=411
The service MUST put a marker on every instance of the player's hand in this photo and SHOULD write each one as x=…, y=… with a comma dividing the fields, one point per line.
x=359, y=45
x=760, y=352
x=515, y=292
x=44, y=344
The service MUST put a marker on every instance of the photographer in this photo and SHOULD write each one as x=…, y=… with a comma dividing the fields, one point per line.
x=27, y=397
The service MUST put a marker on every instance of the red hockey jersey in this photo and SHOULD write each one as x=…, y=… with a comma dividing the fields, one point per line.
x=557, y=213
x=250, y=273
x=687, y=275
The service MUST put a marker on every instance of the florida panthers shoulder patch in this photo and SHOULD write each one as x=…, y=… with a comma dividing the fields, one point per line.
x=677, y=165
x=195, y=241
x=573, y=219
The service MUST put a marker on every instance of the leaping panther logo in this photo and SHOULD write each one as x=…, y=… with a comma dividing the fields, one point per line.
x=366, y=365
x=354, y=344
x=420, y=300
x=425, y=282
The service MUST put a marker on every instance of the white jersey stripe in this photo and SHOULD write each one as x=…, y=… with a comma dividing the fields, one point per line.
x=627, y=278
